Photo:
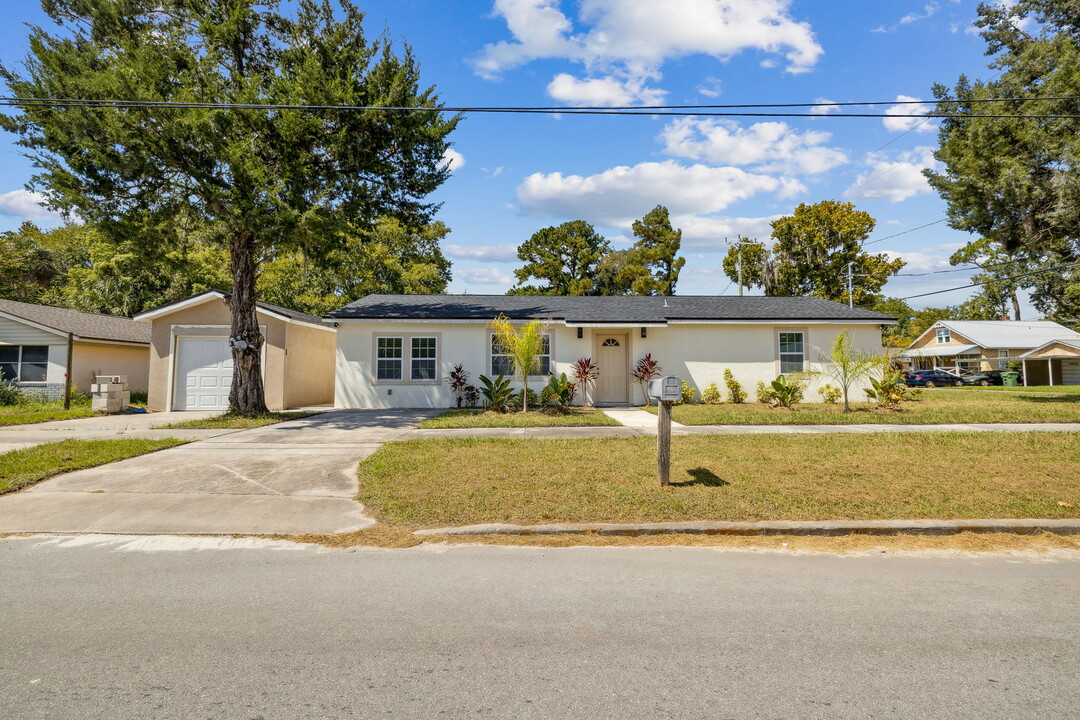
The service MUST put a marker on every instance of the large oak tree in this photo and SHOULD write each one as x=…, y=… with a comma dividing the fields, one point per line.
x=257, y=182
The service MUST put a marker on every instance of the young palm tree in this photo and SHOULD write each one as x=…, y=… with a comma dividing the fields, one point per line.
x=523, y=346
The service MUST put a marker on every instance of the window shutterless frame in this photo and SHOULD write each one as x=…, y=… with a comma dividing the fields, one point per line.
x=944, y=336
x=406, y=358
x=791, y=345
x=389, y=358
x=24, y=363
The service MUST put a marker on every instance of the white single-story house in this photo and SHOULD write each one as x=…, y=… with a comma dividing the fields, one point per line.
x=191, y=365
x=395, y=351
x=1058, y=362
x=966, y=346
x=37, y=340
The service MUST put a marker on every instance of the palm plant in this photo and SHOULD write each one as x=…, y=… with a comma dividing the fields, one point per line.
x=523, y=346
x=646, y=369
x=847, y=365
x=584, y=371
x=497, y=392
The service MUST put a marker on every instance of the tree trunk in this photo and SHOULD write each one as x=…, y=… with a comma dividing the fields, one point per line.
x=1016, y=306
x=247, y=395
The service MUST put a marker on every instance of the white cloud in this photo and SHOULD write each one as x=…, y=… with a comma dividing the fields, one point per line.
x=918, y=262
x=928, y=11
x=483, y=276
x=711, y=87
x=823, y=109
x=606, y=91
x=629, y=42
x=25, y=205
x=487, y=253
x=772, y=146
x=707, y=233
x=453, y=159
x=894, y=181
x=616, y=196
x=901, y=124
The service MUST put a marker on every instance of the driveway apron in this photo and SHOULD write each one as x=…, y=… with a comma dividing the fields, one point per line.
x=293, y=477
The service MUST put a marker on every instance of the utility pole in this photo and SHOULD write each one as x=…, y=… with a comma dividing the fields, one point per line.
x=740, y=267
x=850, y=297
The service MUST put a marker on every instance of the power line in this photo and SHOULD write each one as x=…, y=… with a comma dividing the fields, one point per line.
x=905, y=232
x=647, y=110
x=986, y=282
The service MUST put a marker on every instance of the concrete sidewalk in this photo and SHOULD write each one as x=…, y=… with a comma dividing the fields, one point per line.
x=293, y=477
x=104, y=427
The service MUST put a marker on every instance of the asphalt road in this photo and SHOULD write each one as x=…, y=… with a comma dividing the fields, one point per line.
x=171, y=628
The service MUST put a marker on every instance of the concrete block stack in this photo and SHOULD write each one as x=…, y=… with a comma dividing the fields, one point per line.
x=110, y=393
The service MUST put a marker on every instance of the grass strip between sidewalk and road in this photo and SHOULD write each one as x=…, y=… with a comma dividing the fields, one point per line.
x=45, y=412
x=234, y=421
x=465, y=481
x=21, y=468
x=575, y=417
x=937, y=405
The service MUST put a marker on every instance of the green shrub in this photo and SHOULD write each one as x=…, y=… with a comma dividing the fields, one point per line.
x=471, y=393
x=497, y=392
x=764, y=393
x=711, y=395
x=736, y=394
x=533, y=400
x=10, y=394
x=559, y=391
x=688, y=393
x=787, y=393
x=830, y=395
x=137, y=397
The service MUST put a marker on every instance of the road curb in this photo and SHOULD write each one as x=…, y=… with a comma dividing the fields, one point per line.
x=1019, y=526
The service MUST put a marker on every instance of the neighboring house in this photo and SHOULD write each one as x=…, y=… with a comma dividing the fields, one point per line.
x=191, y=365
x=966, y=346
x=394, y=351
x=35, y=339
x=1054, y=363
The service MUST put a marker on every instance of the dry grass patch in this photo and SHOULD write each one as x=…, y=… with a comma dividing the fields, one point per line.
x=938, y=405
x=573, y=417
x=446, y=482
x=383, y=536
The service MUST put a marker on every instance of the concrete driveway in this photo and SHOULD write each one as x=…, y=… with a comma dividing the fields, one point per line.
x=103, y=427
x=294, y=477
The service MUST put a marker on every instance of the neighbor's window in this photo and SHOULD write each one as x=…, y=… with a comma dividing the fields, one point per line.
x=389, y=354
x=944, y=336
x=792, y=352
x=424, y=353
x=502, y=364
x=24, y=363
x=1003, y=361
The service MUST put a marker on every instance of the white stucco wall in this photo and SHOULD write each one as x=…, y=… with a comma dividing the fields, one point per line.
x=698, y=353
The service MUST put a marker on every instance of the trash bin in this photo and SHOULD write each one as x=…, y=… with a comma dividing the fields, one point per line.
x=1010, y=378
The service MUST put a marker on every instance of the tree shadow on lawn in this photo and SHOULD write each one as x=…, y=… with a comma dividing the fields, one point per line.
x=702, y=476
x=1049, y=398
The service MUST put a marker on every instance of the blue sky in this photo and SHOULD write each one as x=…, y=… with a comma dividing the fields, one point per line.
x=514, y=174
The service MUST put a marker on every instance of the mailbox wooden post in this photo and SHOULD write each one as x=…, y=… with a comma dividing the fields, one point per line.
x=666, y=390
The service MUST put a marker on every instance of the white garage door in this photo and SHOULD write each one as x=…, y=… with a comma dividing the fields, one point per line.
x=204, y=369
x=1070, y=372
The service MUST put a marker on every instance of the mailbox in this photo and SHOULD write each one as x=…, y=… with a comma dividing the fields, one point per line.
x=666, y=389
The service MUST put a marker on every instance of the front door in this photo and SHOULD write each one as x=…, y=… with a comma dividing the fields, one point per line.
x=613, y=371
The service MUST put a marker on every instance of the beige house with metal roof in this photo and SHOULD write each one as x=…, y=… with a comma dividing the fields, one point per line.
x=40, y=345
x=1056, y=363
x=967, y=346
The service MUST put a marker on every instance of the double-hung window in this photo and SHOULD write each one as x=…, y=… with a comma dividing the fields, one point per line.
x=944, y=336
x=24, y=363
x=1003, y=359
x=503, y=364
x=792, y=352
x=423, y=357
x=407, y=358
x=389, y=356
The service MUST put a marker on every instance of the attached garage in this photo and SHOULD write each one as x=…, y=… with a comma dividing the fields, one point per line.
x=1055, y=363
x=191, y=364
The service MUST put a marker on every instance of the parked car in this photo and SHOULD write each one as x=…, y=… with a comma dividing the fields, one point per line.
x=933, y=378
x=988, y=377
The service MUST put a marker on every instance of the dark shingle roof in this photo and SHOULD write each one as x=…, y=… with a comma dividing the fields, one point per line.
x=82, y=324
x=615, y=310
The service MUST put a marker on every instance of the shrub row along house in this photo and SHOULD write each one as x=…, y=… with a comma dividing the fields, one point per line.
x=395, y=351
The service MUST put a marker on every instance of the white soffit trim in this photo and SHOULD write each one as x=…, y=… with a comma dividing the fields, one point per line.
x=779, y=321
x=206, y=297
x=33, y=324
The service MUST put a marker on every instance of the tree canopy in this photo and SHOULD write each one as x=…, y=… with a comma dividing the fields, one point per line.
x=810, y=254
x=259, y=183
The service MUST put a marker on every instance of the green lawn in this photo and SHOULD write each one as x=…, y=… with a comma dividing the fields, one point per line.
x=937, y=405
x=234, y=421
x=22, y=468
x=41, y=412
x=575, y=417
x=759, y=477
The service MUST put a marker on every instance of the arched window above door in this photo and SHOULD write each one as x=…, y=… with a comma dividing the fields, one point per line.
x=610, y=342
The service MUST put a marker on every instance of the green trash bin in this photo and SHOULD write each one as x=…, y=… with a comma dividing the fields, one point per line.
x=1010, y=378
